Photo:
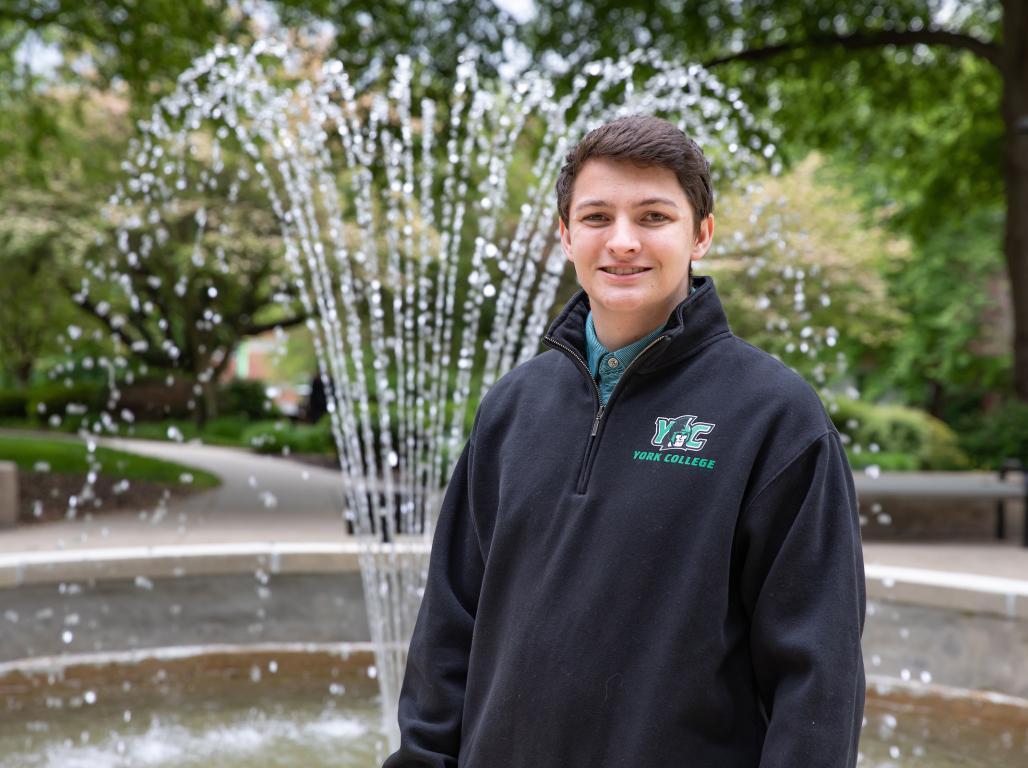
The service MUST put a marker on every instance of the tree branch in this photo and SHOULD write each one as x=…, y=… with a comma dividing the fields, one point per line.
x=289, y=322
x=863, y=40
x=150, y=356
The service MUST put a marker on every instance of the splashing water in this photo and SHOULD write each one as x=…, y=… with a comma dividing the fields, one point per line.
x=414, y=235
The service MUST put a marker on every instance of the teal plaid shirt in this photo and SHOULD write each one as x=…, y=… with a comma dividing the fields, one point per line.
x=607, y=367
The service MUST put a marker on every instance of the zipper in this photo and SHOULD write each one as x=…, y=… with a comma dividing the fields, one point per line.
x=551, y=342
x=601, y=410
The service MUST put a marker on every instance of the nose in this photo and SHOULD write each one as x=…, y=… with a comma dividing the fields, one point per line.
x=623, y=239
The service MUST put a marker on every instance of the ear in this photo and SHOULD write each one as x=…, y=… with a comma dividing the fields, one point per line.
x=704, y=239
x=565, y=239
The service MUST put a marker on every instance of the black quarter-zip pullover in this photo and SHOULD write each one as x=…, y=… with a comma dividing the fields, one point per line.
x=672, y=580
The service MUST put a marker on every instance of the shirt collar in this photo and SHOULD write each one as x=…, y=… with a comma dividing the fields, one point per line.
x=706, y=323
x=597, y=354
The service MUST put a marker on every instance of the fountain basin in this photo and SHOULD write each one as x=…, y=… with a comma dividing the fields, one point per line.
x=314, y=705
x=220, y=653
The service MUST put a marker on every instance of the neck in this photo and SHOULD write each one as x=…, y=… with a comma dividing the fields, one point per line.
x=617, y=331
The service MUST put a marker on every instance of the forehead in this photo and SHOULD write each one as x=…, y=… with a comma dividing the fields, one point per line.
x=621, y=181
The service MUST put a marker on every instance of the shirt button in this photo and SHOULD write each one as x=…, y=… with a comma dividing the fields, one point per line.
x=612, y=362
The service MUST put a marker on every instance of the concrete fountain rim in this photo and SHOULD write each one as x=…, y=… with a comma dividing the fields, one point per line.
x=953, y=590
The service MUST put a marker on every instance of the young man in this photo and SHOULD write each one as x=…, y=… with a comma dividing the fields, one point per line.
x=649, y=553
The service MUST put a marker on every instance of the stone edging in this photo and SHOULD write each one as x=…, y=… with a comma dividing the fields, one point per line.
x=972, y=592
x=1004, y=597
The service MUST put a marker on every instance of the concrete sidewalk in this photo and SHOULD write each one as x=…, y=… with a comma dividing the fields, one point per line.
x=260, y=498
x=271, y=510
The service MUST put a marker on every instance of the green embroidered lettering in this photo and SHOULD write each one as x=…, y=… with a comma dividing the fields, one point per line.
x=663, y=427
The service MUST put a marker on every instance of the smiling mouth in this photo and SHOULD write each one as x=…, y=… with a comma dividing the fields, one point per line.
x=624, y=270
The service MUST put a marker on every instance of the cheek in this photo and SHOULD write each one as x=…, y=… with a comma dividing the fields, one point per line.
x=585, y=246
x=674, y=253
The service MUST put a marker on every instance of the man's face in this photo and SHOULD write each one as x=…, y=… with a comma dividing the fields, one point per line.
x=631, y=237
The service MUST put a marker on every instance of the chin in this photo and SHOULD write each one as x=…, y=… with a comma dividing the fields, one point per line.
x=612, y=302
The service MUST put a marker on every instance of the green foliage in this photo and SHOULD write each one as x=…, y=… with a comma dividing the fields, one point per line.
x=13, y=403
x=917, y=129
x=435, y=32
x=801, y=272
x=36, y=234
x=226, y=430
x=932, y=160
x=70, y=456
x=72, y=403
x=282, y=437
x=892, y=431
x=954, y=347
x=921, y=123
x=296, y=361
x=143, y=45
x=242, y=397
x=886, y=461
x=996, y=436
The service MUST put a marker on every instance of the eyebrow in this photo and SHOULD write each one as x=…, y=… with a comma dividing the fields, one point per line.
x=604, y=204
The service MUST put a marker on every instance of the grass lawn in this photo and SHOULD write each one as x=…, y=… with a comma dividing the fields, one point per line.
x=70, y=456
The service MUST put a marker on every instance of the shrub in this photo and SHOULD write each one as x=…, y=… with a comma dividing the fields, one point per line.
x=896, y=430
x=889, y=461
x=228, y=429
x=178, y=430
x=72, y=403
x=992, y=438
x=155, y=399
x=284, y=437
x=243, y=397
x=13, y=403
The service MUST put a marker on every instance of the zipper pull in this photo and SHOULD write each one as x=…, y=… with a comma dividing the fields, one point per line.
x=596, y=422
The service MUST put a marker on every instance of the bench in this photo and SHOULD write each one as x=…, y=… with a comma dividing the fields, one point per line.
x=952, y=485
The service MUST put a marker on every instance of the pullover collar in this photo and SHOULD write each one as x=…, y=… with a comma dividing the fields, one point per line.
x=697, y=321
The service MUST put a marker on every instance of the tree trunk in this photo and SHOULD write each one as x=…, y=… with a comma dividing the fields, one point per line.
x=1015, y=116
x=23, y=372
x=210, y=401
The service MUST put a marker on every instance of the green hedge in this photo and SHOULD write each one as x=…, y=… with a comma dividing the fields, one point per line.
x=283, y=437
x=72, y=403
x=907, y=438
x=242, y=397
x=888, y=461
x=992, y=438
x=13, y=403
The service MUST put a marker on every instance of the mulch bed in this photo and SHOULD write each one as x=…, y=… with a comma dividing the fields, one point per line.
x=44, y=496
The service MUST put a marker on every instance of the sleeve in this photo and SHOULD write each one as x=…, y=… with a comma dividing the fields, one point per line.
x=802, y=584
x=432, y=695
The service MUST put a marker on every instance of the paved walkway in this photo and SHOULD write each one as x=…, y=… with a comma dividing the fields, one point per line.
x=268, y=504
x=261, y=498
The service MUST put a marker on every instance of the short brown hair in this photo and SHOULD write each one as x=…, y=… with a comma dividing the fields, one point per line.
x=647, y=141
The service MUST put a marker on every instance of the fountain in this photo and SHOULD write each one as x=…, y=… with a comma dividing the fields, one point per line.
x=424, y=267
x=418, y=239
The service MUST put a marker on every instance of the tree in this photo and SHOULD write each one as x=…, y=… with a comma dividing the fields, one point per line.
x=830, y=74
x=167, y=309
x=925, y=98
x=947, y=359
x=63, y=139
x=796, y=283
x=54, y=182
x=33, y=308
